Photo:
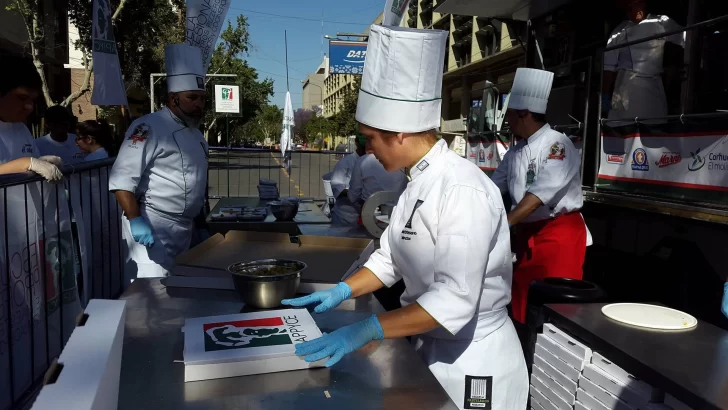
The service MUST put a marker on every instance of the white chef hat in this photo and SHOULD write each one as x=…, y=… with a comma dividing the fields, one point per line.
x=184, y=68
x=402, y=82
x=531, y=89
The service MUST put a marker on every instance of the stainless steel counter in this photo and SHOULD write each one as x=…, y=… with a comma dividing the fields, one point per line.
x=382, y=375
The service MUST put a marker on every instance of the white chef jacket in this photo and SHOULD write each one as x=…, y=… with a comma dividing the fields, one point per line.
x=642, y=58
x=69, y=152
x=369, y=177
x=449, y=240
x=16, y=142
x=164, y=163
x=554, y=163
x=98, y=154
x=341, y=175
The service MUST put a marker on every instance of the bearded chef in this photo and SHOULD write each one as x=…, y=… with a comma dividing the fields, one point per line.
x=541, y=174
x=160, y=173
x=632, y=85
x=448, y=238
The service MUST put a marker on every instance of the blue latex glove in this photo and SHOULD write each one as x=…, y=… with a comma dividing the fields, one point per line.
x=327, y=299
x=141, y=231
x=724, y=305
x=342, y=341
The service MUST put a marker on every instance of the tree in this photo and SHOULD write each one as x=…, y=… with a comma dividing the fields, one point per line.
x=344, y=121
x=267, y=124
x=301, y=117
x=318, y=128
x=227, y=58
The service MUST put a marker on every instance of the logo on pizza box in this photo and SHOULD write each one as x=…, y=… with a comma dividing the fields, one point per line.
x=243, y=334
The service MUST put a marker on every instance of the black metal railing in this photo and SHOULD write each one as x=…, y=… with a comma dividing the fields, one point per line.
x=61, y=247
x=236, y=171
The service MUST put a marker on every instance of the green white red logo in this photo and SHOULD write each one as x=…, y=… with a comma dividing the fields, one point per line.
x=242, y=334
x=226, y=93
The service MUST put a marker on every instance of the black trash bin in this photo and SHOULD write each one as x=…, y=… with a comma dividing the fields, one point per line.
x=550, y=291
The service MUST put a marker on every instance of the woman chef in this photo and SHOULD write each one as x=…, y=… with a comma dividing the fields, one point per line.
x=448, y=238
x=160, y=174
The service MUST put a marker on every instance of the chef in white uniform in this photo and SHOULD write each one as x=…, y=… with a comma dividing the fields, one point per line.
x=160, y=173
x=19, y=87
x=541, y=174
x=369, y=177
x=632, y=84
x=448, y=238
x=345, y=213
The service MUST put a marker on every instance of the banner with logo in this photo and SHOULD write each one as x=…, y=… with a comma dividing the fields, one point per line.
x=347, y=57
x=394, y=12
x=486, y=153
x=37, y=283
x=204, y=21
x=108, y=87
x=674, y=161
x=227, y=99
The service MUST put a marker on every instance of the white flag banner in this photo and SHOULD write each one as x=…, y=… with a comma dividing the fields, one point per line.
x=286, y=137
x=108, y=88
x=394, y=12
x=204, y=21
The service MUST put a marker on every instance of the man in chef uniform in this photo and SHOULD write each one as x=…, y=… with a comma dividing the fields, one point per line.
x=448, y=238
x=160, y=174
x=632, y=85
x=19, y=87
x=541, y=174
x=345, y=213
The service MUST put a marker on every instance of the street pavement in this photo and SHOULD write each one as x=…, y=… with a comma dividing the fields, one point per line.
x=243, y=169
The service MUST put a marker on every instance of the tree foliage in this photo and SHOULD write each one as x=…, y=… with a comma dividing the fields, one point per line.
x=301, y=117
x=266, y=125
x=344, y=122
x=228, y=58
x=318, y=128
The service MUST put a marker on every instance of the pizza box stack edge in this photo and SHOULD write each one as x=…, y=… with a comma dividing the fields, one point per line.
x=246, y=343
x=557, y=365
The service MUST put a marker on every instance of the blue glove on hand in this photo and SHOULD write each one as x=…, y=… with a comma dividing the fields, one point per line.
x=327, y=299
x=141, y=231
x=724, y=306
x=342, y=341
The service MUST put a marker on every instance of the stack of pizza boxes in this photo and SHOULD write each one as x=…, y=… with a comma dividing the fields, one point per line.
x=568, y=375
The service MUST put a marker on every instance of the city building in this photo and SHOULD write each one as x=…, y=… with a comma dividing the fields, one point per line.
x=481, y=53
x=313, y=87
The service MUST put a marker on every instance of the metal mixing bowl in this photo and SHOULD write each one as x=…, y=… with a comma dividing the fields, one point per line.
x=283, y=210
x=261, y=289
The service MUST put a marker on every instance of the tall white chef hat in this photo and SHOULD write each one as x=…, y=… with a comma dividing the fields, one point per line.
x=184, y=68
x=531, y=89
x=402, y=81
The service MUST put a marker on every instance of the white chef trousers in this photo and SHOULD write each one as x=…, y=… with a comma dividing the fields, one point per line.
x=172, y=236
x=637, y=95
x=498, y=355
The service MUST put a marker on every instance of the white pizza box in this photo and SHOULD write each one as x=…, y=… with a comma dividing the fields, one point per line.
x=562, y=366
x=624, y=377
x=579, y=406
x=556, y=374
x=675, y=404
x=535, y=405
x=247, y=343
x=550, y=394
x=88, y=370
x=579, y=349
x=585, y=400
x=608, y=399
x=561, y=352
x=567, y=396
x=602, y=379
x=541, y=400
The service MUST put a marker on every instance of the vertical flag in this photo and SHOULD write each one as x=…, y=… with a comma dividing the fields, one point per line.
x=394, y=11
x=108, y=88
x=204, y=21
x=286, y=136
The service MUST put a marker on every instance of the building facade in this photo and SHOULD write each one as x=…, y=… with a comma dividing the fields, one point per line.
x=313, y=87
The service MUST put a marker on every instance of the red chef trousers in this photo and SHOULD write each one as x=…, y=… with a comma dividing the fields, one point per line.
x=550, y=248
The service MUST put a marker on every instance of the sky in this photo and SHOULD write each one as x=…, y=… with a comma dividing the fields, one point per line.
x=269, y=19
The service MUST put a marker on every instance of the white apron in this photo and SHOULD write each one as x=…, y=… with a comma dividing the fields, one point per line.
x=490, y=361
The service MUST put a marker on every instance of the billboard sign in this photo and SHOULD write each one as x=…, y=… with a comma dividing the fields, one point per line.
x=347, y=57
x=227, y=99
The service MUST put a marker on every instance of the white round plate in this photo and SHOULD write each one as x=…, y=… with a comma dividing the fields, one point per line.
x=649, y=316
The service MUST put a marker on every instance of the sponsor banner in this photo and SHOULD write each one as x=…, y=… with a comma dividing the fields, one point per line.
x=347, y=57
x=394, y=11
x=108, y=87
x=679, y=164
x=204, y=21
x=227, y=99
